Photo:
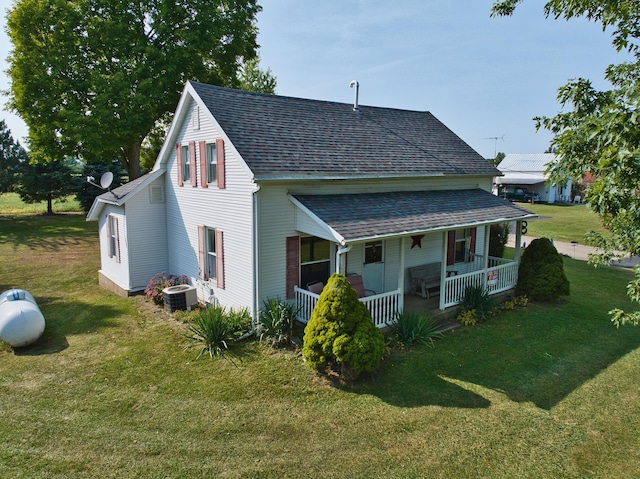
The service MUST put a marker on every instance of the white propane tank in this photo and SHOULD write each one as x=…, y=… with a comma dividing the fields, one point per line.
x=21, y=322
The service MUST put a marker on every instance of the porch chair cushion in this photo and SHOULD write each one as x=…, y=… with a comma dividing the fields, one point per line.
x=358, y=284
x=315, y=287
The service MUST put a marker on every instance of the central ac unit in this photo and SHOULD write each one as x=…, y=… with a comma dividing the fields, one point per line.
x=180, y=298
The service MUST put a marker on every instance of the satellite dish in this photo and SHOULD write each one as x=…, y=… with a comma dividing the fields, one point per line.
x=106, y=180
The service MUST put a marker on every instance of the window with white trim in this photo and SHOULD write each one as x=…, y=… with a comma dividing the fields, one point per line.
x=315, y=260
x=212, y=163
x=463, y=242
x=113, y=240
x=211, y=257
x=186, y=164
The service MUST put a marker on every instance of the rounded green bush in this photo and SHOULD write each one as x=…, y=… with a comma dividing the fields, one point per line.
x=541, y=274
x=340, y=333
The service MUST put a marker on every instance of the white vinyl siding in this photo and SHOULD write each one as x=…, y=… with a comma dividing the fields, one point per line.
x=116, y=271
x=228, y=210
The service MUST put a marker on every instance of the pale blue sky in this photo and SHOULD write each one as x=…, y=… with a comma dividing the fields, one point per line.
x=483, y=77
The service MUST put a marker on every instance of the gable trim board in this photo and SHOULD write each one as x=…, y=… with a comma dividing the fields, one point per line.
x=118, y=196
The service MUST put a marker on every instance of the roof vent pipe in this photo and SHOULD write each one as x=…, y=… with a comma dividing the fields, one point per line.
x=355, y=84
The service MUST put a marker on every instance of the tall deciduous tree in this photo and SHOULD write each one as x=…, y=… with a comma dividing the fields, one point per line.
x=598, y=132
x=11, y=154
x=91, y=77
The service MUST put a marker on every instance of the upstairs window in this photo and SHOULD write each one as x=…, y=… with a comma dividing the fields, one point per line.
x=186, y=166
x=212, y=163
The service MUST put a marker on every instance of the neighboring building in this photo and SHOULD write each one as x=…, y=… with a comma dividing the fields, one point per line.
x=528, y=171
x=255, y=196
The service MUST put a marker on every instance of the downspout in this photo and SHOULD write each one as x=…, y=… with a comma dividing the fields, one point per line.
x=443, y=274
x=401, y=278
x=340, y=268
x=256, y=257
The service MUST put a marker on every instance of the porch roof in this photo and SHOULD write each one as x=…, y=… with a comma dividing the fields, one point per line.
x=346, y=218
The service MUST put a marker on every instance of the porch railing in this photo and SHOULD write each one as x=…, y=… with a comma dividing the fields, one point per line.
x=501, y=275
x=383, y=307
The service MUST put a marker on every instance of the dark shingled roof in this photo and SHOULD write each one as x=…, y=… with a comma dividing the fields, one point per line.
x=357, y=216
x=124, y=190
x=284, y=137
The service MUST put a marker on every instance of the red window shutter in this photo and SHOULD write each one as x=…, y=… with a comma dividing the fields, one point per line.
x=219, y=260
x=293, y=265
x=451, y=248
x=201, y=257
x=179, y=163
x=220, y=162
x=204, y=180
x=472, y=242
x=117, y=235
x=192, y=163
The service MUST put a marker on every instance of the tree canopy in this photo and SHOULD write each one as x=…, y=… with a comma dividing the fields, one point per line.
x=598, y=132
x=91, y=77
x=45, y=181
x=11, y=154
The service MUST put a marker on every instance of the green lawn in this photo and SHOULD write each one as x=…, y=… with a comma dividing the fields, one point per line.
x=545, y=392
x=11, y=204
x=563, y=222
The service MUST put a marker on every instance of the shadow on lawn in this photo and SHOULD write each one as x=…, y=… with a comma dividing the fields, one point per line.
x=533, y=361
x=50, y=233
x=63, y=318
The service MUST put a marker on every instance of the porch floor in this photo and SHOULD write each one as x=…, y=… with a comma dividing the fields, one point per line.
x=431, y=306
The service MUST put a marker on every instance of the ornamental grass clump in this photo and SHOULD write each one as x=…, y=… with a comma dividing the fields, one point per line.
x=213, y=330
x=477, y=305
x=541, y=274
x=275, y=323
x=340, y=335
x=410, y=328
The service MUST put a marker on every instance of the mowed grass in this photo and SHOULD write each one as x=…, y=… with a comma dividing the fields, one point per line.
x=563, y=222
x=108, y=391
x=11, y=204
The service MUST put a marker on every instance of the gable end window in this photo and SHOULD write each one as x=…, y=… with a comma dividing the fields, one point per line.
x=212, y=163
x=186, y=166
x=186, y=163
x=113, y=238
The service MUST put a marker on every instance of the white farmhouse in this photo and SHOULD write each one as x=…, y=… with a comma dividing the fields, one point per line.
x=257, y=196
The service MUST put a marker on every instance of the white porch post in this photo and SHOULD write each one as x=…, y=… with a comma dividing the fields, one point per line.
x=443, y=272
x=401, y=277
x=516, y=256
x=341, y=265
x=485, y=258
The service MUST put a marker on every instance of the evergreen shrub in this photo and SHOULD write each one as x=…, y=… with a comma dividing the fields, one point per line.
x=340, y=334
x=541, y=274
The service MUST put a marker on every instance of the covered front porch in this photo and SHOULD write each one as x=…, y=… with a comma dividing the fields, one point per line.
x=432, y=245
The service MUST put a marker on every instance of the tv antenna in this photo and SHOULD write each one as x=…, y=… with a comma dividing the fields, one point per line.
x=105, y=182
x=495, y=144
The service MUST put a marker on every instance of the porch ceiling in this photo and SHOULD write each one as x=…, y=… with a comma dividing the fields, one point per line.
x=356, y=217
